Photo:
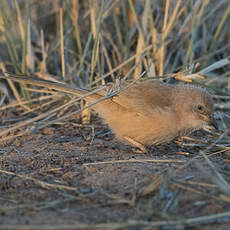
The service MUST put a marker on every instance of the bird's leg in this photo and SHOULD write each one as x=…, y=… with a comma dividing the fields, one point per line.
x=137, y=144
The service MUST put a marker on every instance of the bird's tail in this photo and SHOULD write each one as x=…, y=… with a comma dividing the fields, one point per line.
x=31, y=80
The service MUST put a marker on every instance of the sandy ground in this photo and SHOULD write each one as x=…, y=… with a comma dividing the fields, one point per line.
x=61, y=178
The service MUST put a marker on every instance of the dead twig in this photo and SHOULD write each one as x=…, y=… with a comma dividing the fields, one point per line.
x=176, y=224
x=135, y=161
x=39, y=182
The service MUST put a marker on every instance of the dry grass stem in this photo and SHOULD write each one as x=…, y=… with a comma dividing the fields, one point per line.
x=39, y=182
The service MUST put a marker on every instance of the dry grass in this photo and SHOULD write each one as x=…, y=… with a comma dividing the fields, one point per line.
x=90, y=43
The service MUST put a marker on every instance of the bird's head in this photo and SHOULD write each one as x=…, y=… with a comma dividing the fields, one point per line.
x=194, y=107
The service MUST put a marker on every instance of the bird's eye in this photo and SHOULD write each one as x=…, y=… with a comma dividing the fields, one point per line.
x=200, y=108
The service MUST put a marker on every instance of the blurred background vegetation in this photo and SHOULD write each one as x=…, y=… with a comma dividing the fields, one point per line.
x=86, y=41
x=89, y=42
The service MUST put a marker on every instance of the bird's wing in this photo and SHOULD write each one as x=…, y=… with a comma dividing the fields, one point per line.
x=147, y=98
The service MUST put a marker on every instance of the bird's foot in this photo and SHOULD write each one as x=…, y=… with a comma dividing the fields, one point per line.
x=140, y=146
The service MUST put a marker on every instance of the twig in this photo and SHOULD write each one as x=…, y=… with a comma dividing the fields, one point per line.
x=39, y=182
x=135, y=161
x=176, y=224
x=220, y=179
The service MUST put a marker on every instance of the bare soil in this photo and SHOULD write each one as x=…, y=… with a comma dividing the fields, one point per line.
x=71, y=177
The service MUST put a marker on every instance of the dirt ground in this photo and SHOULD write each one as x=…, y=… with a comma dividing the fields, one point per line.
x=70, y=177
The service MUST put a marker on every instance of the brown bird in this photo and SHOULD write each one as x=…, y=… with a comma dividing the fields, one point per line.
x=146, y=113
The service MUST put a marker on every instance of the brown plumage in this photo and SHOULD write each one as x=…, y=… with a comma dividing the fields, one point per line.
x=146, y=113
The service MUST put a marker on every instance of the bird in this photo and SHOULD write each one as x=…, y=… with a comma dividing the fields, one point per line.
x=146, y=113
